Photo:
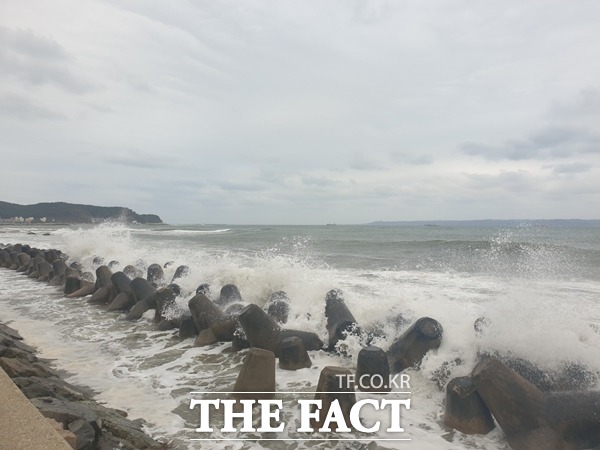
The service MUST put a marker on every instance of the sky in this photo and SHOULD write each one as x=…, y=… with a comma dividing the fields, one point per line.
x=303, y=112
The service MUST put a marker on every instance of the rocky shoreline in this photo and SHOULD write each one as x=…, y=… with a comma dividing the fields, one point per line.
x=84, y=423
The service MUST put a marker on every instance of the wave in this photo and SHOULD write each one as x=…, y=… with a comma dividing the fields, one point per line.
x=530, y=311
x=191, y=232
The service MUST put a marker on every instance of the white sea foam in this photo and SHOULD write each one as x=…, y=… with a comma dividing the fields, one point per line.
x=150, y=374
x=184, y=231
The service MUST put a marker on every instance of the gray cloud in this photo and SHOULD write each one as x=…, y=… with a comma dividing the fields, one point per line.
x=318, y=181
x=38, y=60
x=138, y=159
x=550, y=142
x=512, y=181
x=20, y=107
x=360, y=162
x=303, y=112
x=585, y=104
x=412, y=159
x=571, y=168
x=421, y=160
x=236, y=186
x=26, y=42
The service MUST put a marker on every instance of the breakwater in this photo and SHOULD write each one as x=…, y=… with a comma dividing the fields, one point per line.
x=215, y=321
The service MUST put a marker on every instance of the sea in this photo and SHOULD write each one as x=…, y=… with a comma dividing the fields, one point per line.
x=535, y=286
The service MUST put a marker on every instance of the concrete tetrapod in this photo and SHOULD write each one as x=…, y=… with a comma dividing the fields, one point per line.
x=204, y=311
x=335, y=384
x=256, y=379
x=532, y=420
x=410, y=348
x=340, y=320
x=373, y=370
x=293, y=354
x=516, y=404
x=465, y=410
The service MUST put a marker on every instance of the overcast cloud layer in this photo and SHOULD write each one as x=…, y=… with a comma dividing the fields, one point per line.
x=303, y=111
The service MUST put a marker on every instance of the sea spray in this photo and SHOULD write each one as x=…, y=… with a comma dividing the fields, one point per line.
x=547, y=314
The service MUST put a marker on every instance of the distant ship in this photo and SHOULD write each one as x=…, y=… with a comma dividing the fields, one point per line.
x=331, y=224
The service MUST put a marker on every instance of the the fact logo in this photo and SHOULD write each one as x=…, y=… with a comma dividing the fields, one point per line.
x=326, y=412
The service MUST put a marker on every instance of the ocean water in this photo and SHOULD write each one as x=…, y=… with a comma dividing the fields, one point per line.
x=538, y=288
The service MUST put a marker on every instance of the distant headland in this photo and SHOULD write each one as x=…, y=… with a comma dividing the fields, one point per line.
x=61, y=212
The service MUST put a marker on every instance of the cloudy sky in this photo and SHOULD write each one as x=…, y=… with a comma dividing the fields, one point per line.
x=300, y=112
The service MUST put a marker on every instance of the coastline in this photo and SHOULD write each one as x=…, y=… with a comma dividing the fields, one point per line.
x=41, y=410
x=62, y=275
x=22, y=426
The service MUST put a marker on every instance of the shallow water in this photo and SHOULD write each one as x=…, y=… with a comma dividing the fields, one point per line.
x=538, y=288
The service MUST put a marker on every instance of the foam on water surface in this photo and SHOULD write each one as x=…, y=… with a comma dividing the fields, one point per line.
x=150, y=374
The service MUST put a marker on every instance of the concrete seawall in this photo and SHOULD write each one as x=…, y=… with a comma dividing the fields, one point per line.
x=22, y=426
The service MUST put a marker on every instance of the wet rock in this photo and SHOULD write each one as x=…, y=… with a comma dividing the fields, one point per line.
x=340, y=320
x=155, y=274
x=100, y=296
x=331, y=388
x=92, y=426
x=260, y=329
x=206, y=337
x=278, y=307
x=34, y=387
x=293, y=354
x=65, y=434
x=373, y=370
x=204, y=312
x=10, y=332
x=141, y=289
x=256, y=379
x=569, y=376
x=235, y=309
x=72, y=284
x=229, y=294
x=15, y=352
x=44, y=272
x=132, y=272
x=311, y=340
x=204, y=288
x=66, y=412
x=121, y=282
x=86, y=288
x=187, y=327
x=465, y=409
x=224, y=328
x=517, y=405
x=15, y=367
x=97, y=261
x=84, y=433
x=410, y=348
x=122, y=302
x=165, y=301
x=137, y=311
x=103, y=277
x=181, y=272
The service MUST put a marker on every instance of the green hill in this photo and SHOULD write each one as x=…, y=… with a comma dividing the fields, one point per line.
x=72, y=213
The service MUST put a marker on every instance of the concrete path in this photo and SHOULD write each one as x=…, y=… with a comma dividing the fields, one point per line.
x=22, y=426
